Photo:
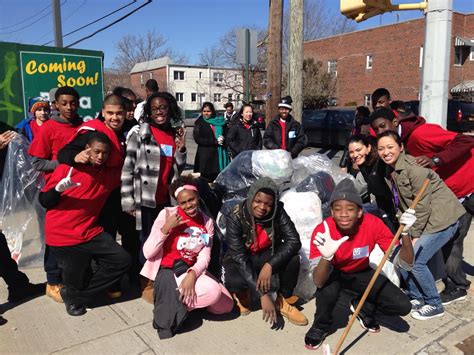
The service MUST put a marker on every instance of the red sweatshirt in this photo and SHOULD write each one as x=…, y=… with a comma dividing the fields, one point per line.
x=454, y=149
x=74, y=220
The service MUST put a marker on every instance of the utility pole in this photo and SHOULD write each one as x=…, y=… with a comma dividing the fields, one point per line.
x=247, y=65
x=274, y=58
x=436, y=55
x=295, y=57
x=58, y=32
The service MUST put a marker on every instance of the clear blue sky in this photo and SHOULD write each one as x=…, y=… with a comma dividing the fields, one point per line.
x=189, y=25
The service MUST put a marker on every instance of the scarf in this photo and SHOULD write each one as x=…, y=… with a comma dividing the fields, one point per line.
x=218, y=124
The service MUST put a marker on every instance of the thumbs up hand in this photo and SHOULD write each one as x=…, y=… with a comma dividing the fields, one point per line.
x=326, y=245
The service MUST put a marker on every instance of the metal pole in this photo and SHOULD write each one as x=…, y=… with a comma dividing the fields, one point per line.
x=58, y=32
x=295, y=57
x=274, y=58
x=247, y=64
x=436, y=55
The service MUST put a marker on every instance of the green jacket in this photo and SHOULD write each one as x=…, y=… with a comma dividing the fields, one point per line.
x=438, y=208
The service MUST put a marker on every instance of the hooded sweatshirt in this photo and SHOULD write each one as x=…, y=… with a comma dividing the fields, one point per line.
x=455, y=150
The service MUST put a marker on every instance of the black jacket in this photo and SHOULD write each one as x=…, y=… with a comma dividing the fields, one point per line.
x=206, y=161
x=240, y=138
x=240, y=233
x=296, y=140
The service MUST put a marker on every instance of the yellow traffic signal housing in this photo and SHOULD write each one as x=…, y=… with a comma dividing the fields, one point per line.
x=360, y=10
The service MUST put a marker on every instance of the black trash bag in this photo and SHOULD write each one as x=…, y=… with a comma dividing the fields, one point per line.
x=323, y=184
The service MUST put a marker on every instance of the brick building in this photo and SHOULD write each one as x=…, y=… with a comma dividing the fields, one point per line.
x=194, y=84
x=391, y=56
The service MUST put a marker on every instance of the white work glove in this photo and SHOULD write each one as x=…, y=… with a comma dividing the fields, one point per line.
x=408, y=219
x=326, y=245
x=135, y=129
x=66, y=183
x=220, y=140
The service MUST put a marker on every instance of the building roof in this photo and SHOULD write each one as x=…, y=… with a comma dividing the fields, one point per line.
x=151, y=64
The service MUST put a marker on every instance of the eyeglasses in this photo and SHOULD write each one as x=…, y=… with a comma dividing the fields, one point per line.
x=159, y=108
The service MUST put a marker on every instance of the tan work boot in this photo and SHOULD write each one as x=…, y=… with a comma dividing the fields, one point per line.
x=53, y=292
x=242, y=299
x=290, y=312
x=148, y=293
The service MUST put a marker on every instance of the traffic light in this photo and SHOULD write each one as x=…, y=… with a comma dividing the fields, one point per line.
x=360, y=10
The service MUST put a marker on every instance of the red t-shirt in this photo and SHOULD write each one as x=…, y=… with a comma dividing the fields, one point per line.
x=35, y=128
x=74, y=220
x=283, y=134
x=50, y=139
x=261, y=242
x=167, y=150
x=185, y=241
x=353, y=255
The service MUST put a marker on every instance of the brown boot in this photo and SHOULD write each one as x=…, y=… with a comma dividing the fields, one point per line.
x=148, y=294
x=290, y=312
x=242, y=299
x=53, y=292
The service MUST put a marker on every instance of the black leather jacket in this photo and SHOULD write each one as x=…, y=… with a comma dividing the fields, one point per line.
x=240, y=233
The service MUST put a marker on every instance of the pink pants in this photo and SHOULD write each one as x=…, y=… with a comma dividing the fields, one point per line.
x=210, y=294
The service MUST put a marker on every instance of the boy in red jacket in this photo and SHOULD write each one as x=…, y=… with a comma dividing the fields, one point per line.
x=74, y=197
x=451, y=155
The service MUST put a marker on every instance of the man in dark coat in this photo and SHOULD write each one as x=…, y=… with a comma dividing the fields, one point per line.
x=284, y=132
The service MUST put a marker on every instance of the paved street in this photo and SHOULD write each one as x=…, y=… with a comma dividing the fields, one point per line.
x=124, y=327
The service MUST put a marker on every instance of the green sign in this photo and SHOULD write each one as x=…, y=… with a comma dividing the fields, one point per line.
x=31, y=71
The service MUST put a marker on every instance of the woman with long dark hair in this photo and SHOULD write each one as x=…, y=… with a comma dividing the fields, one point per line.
x=209, y=133
x=244, y=134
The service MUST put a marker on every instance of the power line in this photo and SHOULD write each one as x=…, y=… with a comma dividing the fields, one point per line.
x=111, y=24
x=19, y=22
x=30, y=24
x=95, y=21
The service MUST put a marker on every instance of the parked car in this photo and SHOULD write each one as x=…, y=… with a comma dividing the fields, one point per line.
x=328, y=127
x=460, y=114
x=190, y=119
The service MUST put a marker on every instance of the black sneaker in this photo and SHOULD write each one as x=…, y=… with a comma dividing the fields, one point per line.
x=314, y=338
x=452, y=295
x=365, y=321
x=71, y=308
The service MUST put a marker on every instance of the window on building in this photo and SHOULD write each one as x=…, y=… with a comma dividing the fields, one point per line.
x=237, y=97
x=332, y=67
x=217, y=97
x=219, y=77
x=193, y=97
x=200, y=75
x=229, y=97
x=368, y=100
x=236, y=77
x=178, y=75
x=141, y=79
x=471, y=54
x=180, y=96
x=421, y=57
x=458, y=55
x=332, y=101
x=150, y=74
x=368, y=61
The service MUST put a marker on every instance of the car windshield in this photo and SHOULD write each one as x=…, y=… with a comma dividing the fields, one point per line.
x=314, y=115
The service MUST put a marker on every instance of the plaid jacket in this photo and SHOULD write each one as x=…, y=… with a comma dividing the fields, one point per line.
x=141, y=171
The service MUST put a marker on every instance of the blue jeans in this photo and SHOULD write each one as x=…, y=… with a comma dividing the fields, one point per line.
x=420, y=282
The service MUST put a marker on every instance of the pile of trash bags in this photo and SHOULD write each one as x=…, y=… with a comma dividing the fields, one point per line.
x=306, y=184
x=19, y=206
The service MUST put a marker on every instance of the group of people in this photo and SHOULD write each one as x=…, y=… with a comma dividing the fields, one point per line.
x=121, y=173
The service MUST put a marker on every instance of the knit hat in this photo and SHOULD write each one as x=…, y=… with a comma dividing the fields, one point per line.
x=36, y=103
x=346, y=190
x=286, y=102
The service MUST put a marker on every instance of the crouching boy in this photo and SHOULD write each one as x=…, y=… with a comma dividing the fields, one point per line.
x=340, y=249
x=74, y=198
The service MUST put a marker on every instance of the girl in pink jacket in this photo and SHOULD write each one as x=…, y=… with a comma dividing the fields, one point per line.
x=178, y=252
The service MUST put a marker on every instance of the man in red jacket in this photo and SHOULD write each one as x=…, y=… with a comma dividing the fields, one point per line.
x=451, y=155
x=74, y=197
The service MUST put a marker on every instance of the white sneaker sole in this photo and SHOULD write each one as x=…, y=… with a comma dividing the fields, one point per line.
x=417, y=316
x=455, y=300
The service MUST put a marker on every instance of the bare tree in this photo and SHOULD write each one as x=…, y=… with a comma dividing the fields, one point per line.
x=319, y=86
x=132, y=49
x=212, y=56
